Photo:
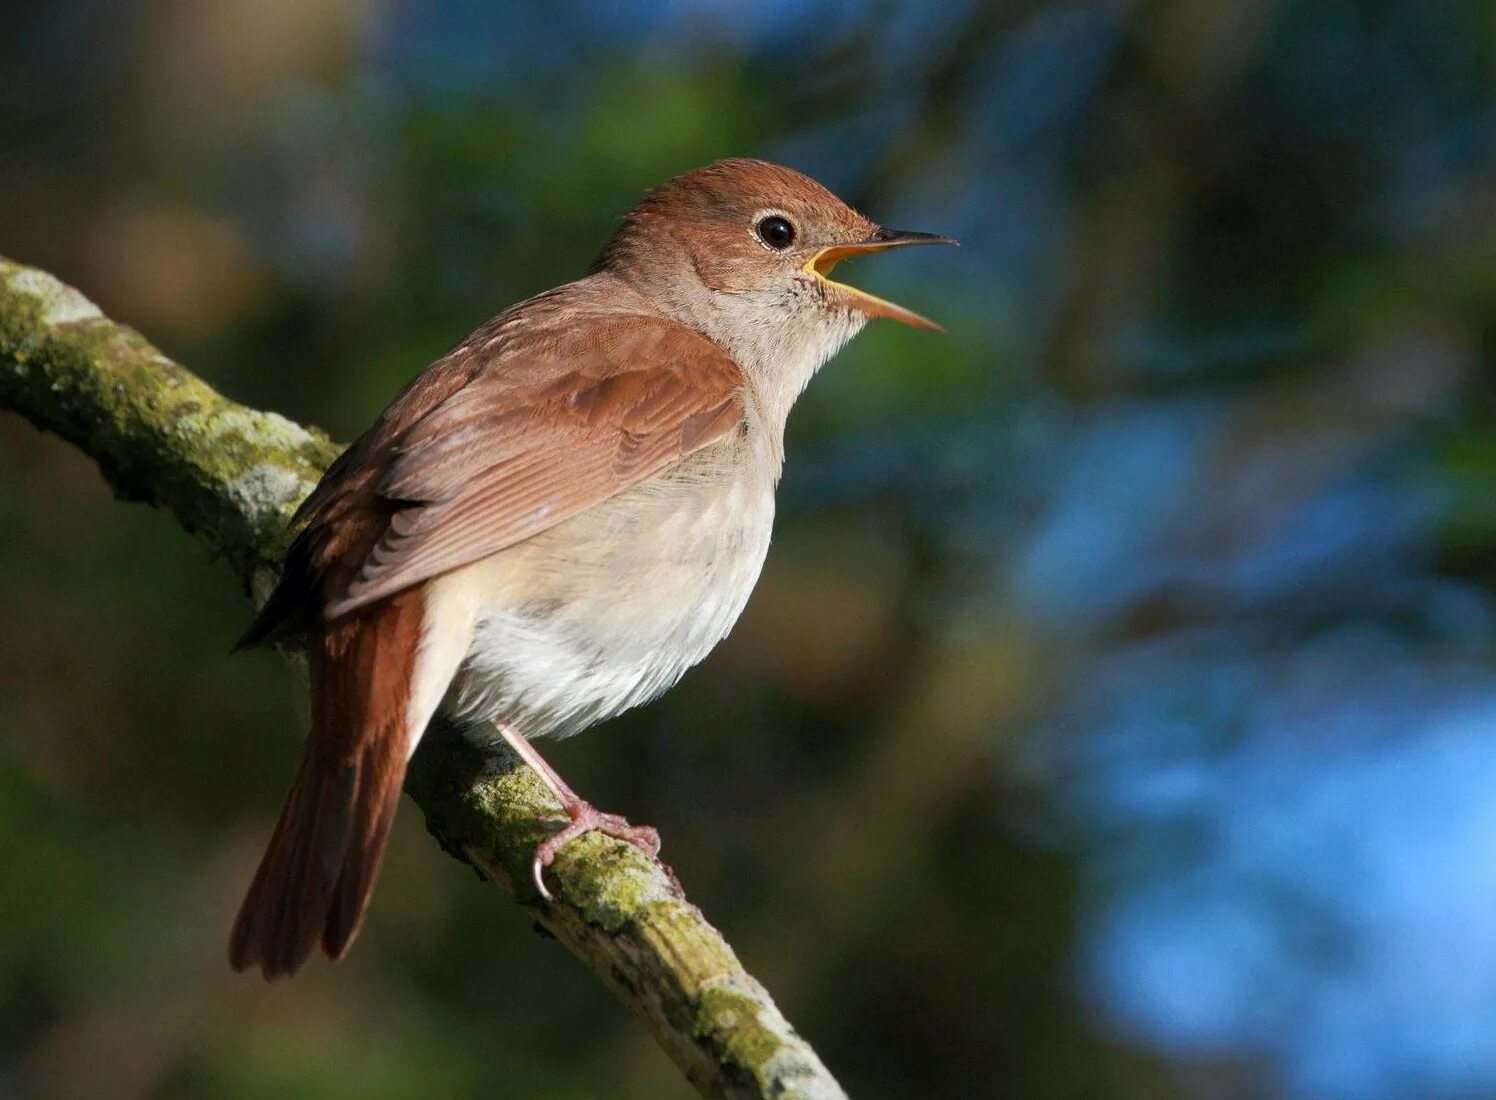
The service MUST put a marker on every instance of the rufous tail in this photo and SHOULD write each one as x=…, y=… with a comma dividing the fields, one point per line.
x=314, y=882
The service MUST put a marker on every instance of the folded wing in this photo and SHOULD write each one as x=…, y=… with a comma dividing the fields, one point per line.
x=509, y=435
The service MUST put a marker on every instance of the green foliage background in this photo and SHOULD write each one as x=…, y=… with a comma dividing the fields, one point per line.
x=1241, y=255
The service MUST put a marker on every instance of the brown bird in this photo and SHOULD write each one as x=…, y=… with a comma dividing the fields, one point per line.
x=553, y=521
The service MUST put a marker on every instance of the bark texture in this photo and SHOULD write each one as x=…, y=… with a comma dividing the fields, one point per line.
x=232, y=476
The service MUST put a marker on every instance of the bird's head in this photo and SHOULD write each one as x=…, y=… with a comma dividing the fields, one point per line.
x=743, y=251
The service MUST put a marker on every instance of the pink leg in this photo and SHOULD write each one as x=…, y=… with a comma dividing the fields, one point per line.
x=585, y=818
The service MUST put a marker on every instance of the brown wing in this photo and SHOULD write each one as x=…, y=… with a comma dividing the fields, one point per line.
x=519, y=428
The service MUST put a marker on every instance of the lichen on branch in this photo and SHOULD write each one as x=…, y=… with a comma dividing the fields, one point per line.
x=232, y=476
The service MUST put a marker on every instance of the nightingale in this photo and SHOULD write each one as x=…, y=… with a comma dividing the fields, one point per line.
x=552, y=522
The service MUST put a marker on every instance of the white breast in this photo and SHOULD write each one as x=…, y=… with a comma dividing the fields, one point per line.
x=608, y=609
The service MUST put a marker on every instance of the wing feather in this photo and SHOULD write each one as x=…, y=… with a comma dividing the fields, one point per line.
x=547, y=426
x=549, y=409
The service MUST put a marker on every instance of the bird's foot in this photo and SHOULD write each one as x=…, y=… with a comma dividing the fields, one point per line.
x=585, y=818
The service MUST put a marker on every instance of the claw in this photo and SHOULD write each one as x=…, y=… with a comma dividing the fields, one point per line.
x=586, y=819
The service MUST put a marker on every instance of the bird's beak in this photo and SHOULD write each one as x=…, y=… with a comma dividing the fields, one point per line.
x=819, y=266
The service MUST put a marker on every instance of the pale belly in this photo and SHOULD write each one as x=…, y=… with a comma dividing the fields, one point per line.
x=608, y=609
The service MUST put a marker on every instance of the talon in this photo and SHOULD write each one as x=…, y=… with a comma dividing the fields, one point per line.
x=586, y=819
x=537, y=872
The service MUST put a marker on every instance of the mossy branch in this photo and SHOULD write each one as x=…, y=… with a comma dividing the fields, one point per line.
x=232, y=476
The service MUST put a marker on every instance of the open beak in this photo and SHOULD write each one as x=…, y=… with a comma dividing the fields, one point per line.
x=822, y=262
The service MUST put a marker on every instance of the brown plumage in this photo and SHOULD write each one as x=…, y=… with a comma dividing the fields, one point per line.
x=470, y=459
x=314, y=881
x=462, y=464
x=504, y=526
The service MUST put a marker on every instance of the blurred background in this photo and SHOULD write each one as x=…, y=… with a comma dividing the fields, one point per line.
x=1116, y=717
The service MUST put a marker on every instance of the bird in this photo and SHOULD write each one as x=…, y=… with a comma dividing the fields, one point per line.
x=552, y=522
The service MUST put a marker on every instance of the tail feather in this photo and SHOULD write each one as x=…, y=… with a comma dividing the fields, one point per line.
x=378, y=795
x=314, y=882
x=316, y=877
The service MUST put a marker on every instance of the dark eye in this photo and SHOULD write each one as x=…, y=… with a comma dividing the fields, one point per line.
x=776, y=232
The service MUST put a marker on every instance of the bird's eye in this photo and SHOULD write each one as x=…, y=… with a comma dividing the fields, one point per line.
x=776, y=232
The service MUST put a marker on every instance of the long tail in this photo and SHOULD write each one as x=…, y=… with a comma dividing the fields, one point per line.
x=314, y=882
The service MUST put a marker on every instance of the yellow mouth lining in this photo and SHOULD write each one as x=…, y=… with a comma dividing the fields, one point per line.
x=820, y=266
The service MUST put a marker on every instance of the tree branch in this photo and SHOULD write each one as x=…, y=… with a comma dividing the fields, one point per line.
x=232, y=476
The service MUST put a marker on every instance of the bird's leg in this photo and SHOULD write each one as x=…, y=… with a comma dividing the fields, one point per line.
x=585, y=818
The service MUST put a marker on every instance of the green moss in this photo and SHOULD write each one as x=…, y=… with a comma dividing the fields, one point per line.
x=232, y=475
x=729, y=1019
x=611, y=882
